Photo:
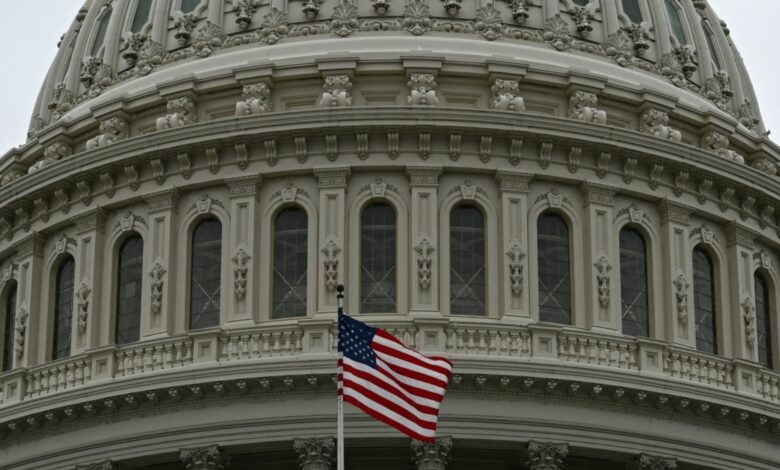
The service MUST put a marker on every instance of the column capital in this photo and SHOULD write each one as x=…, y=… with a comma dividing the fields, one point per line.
x=546, y=455
x=674, y=212
x=424, y=175
x=204, y=458
x=315, y=453
x=93, y=220
x=513, y=181
x=332, y=177
x=738, y=234
x=431, y=455
x=244, y=185
x=595, y=193
x=31, y=245
x=652, y=462
x=104, y=465
x=163, y=200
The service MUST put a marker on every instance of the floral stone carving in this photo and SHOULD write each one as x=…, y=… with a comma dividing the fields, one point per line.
x=20, y=328
x=520, y=10
x=422, y=90
x=506, y=95
x=681, y=286
x=546, y=455
x=652, y=462
x=424, y=249
x=620, y=47
x=656, y=123
x=331, y=252
x=95, y=75
x=718, y=90
x=516, y=257
x=749, y=316
x=639, y=37
x=274, y=27
x=417, y=17
x=111, y=130
x=184, y=24
x=82, y=303
x=431, y=455
x=314, y=453
x=257, y=100
x=488, y=22
x=245, y=10
x=602, y=278
x=181, y=112
x=556, y=33
x=344, y=20
x=336, y=91
x=240, y=272
x=719, y=144
x=582, y=107
x=582, y=18
x=133, y=42
x=208, y=40
x=62, y=101
x=157, y=273
x=747, y=116
x=204, y=458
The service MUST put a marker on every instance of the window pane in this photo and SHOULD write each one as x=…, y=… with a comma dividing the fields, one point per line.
x=63, y=308
x=632, y=10
x=554, y=280
x=101, y=33
x=711, y=44
x=290, y=257
x=188, y=5
x=467, y=261
x=141, y=15
x=8, y=331
x=704, y=302
x=128, y=297
x=206, y=274
x=633, y=283
x=675, y=21
x=763, y=321
x=377, y=259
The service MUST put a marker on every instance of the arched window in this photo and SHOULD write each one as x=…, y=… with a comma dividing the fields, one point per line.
x=205, y=277
x=632, y=10
x=704, y=301
x=554, y=278
x=378, y=259
x=141, y=15
x=633, y=283
x=128, y=293
x=467, y=261
x=763, y=321
x=8, y=328
x=290, y=258
x=100, y=36
x=187, y=6
x=63, y=308
x=708, y=34
x=675, y=21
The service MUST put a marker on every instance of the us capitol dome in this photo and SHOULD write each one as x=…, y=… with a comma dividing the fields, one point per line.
x=575, y=201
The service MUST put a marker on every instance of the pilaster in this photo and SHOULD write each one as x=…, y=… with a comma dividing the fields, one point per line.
x=162, y=209
x=546, y=455
x=88, y=283
x=315, y=453
x=204, y=458
x=242, y=292
x=514, y=284
x=741, y=299
x=332, y=182
x=424, y=272
x=677, y=274
x=431, y=455
x=601, y=258
x=29, y=308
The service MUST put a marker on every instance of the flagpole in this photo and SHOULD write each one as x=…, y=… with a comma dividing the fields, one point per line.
x=340, y=399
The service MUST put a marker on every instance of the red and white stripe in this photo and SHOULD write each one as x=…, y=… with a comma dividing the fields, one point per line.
x=404, y=391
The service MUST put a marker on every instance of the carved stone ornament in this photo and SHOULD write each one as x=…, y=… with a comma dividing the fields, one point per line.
x=204, y=458
x=764, y=259
x=582, y=17
x=546, y=455
x=257, y=100
x=184, y=24
x=157, y=273
x=336, y=91
x=245, y=10
x=381, y=7
x=638, y=32
x=133, y=43
x=240, y=272
x=582, y=107
x=422, y=90
x=344, y=20
x=652, y=462
x=62, y=101
x=417, y=17
x=602, y=278
x=310, y=9
x=749, y=316
x=681, y=286
x=516, y=256
x=656, y=123
x=620, y=47
x=95, y=75
x=556, y=33
x=53, y=153
x=520, y=10
x=424, y=251
x=274, y=27
x=315, y=453
x=181, y=112
x=747, y=116
x=452, y=7
x=209, y=38
x=431, y=455
x=111, y=130
x=506, y=95
x=20, y=328
x=719, y=144
x=488, y=22
x=331, y=251
x=82, y=303
x=718, y=89
x=105, y=465
x=554, y=198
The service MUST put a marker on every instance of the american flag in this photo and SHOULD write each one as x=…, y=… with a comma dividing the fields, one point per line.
x=388, y=381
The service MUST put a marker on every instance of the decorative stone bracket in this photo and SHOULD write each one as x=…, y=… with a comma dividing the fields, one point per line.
x=257, y=100
x=181, y=112
x=656, y=123
x=336, y=92
x=582, y=107
x=111, y=130
x=422, y=90
x=506, y=95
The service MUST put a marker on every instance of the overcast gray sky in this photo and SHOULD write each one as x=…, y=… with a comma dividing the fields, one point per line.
x=30, y=29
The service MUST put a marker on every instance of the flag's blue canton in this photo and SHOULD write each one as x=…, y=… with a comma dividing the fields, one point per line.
x=355, y=339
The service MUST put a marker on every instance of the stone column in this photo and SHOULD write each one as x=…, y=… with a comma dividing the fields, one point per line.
x=332, y=237
x=158, y=320
x=29, y=327
x=742, y=303
x=74, y=67
x=677, y=274
x=204, y=458
x=242, y=294
x=661, y=24
x=114, y=32
x=315, y=453
x=546, y=455
x=611, y=21
x=159, y=22
x=104, y=465
x=431, y=455
x=652, y=462
x=513, y=243
x=424, y=183
x=88, y=283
